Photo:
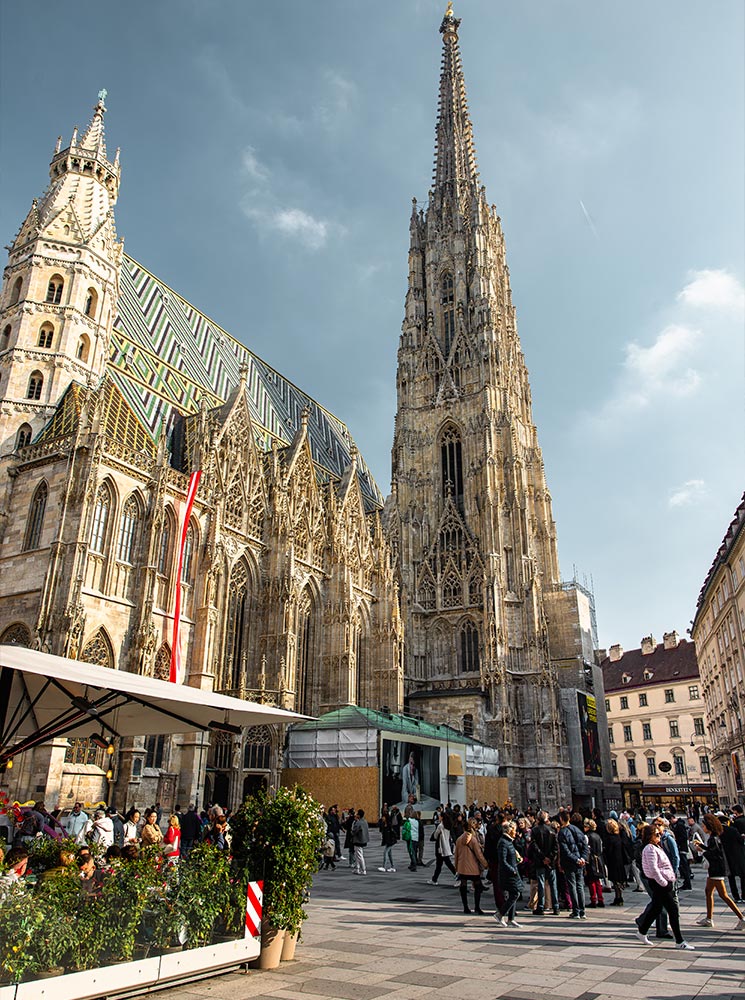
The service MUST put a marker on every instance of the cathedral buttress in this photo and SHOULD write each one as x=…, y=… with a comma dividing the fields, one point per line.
x=470, y=517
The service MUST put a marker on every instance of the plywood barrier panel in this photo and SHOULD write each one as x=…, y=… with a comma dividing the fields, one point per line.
x=343, y=786
x=489, y=790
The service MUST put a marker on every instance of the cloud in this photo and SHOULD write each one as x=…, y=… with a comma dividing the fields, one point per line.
x=305, y=229
x=252, y=167
x=711, y=289
x=692, y=492
x=337, y=101
x=659, y=367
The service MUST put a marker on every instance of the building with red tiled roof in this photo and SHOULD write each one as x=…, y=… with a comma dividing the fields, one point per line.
x=657, y=723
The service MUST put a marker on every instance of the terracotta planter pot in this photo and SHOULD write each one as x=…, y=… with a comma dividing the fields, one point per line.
x=271, y=948
x=289, y=945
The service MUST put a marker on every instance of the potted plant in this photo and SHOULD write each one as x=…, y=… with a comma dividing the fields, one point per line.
x=277, y=838
x=56, y=899
x=20, y=926
x=126, y=893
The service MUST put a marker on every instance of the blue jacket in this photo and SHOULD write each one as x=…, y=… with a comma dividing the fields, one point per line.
x=573, y=846
x=670, y=847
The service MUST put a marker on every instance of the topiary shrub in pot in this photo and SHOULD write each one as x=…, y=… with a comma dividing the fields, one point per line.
x=277, y=837
x=203, y=893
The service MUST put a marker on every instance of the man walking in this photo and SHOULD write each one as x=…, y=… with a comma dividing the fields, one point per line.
x=360, y=837
x=573, y=852
x=543, y=851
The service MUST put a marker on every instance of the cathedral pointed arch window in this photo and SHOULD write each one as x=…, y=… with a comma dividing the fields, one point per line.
x=54, y=289
x=257, y=749
x=91, y=302
x=129, y=530
x=362, y=692
x=236, y=628
x=447, y=300
x=35, y=384
x=23, y=437
x=187, y=562
x=46, y=335
x=32, y=538
x=427, y=594
x=101, y=513
x=162, y=665
x=469, y=648
x=451, y=461
x=234, y=504
x=98, y=650
x=165, y=548
x=452, y=590
x=83, y=347
x=16, y=635
x=305, y=635
x=475, y=589
x=16, y=293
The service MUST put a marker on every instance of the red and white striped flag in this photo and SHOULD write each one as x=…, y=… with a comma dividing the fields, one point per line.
x=175, y=675
x=254, y=906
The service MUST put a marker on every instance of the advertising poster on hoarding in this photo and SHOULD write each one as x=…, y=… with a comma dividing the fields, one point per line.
x=410, y=773
x=588, y=728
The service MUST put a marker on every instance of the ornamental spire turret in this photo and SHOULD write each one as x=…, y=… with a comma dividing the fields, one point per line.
x=455, y=166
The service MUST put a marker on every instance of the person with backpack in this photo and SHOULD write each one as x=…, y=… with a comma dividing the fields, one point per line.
x=574, y=852
x=410, y=835
x=715, y=877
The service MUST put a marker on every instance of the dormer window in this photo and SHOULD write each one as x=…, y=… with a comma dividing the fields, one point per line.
x=625, y=678
x=648, y=674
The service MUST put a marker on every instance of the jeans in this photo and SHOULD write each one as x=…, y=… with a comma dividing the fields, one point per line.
x=438, y=866
x=541, y=874
x=388, y=856
x=661, y=917
x=663, y=897
x=511, y=888
x=575, y=887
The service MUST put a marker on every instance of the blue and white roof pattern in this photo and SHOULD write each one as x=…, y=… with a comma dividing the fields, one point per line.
x=166, y=356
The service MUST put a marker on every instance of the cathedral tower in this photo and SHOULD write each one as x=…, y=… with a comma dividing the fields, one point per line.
x=470, y=511
x=60, y=286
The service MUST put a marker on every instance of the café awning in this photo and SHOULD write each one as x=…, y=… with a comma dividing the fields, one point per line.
x=43, y=697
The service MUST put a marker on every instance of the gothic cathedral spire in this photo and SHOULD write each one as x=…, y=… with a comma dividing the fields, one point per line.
x=471, y=512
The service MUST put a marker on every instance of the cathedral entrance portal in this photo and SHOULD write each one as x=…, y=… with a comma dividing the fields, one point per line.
x=253, y=783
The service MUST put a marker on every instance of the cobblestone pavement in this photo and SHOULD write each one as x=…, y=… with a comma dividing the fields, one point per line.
x=393, y=935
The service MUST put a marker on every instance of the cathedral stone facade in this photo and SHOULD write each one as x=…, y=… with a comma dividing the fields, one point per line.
x=487, y=621
x=113, y=389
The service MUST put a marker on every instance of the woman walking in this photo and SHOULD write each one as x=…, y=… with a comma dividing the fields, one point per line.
x=443, y=847
x=595, y=870
x=715, y=877
x=657, y=868
x=389, y=833
x=469, y=863
x=615, y=860
x=509, y=876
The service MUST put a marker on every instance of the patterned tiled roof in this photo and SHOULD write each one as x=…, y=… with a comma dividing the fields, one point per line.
x=736, y=525
x=167, y=356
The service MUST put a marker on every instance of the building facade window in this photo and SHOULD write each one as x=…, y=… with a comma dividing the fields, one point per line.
x=607, y=704
x=16, y=293
x=451, y=455
x=704, y=765
x=100, y=520
x=610, y=734
x=674, y=729
x=23, y=437
x=651, y=767
x=614, y=767
x=468, y=724
x=627, y=734
x=624, y=702
x=680, y=764
x=35, y=384
x=46, y=335
x=448, y=312
x=469, y=648
x=154, y=748
x=632, y=767
x=698, y=727
x=669, y=696
x=646, y=730
x=128, y=530
x=693, y=692
x=35, y=523
x=642, y=701
x=54, y=289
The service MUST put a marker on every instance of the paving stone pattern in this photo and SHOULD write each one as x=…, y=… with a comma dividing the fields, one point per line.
x=361, y=944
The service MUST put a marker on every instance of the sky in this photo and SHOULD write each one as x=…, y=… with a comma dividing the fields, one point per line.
x=270, y=152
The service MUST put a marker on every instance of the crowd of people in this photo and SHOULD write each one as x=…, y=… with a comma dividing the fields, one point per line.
x=567, y=862
x=97, y=841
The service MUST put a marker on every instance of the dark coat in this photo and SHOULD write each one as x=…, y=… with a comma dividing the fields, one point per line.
x=615, y=857
x=734, y=849
x=507, y=859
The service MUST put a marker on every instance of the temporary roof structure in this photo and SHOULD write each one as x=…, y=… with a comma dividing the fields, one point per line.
x=44, y=696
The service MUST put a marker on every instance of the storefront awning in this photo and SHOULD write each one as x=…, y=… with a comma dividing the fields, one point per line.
x=44, y=696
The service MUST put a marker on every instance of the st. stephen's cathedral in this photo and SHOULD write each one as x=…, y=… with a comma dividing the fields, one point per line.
x=301, y=586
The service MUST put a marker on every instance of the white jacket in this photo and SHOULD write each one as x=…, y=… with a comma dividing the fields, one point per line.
x=103, y=831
